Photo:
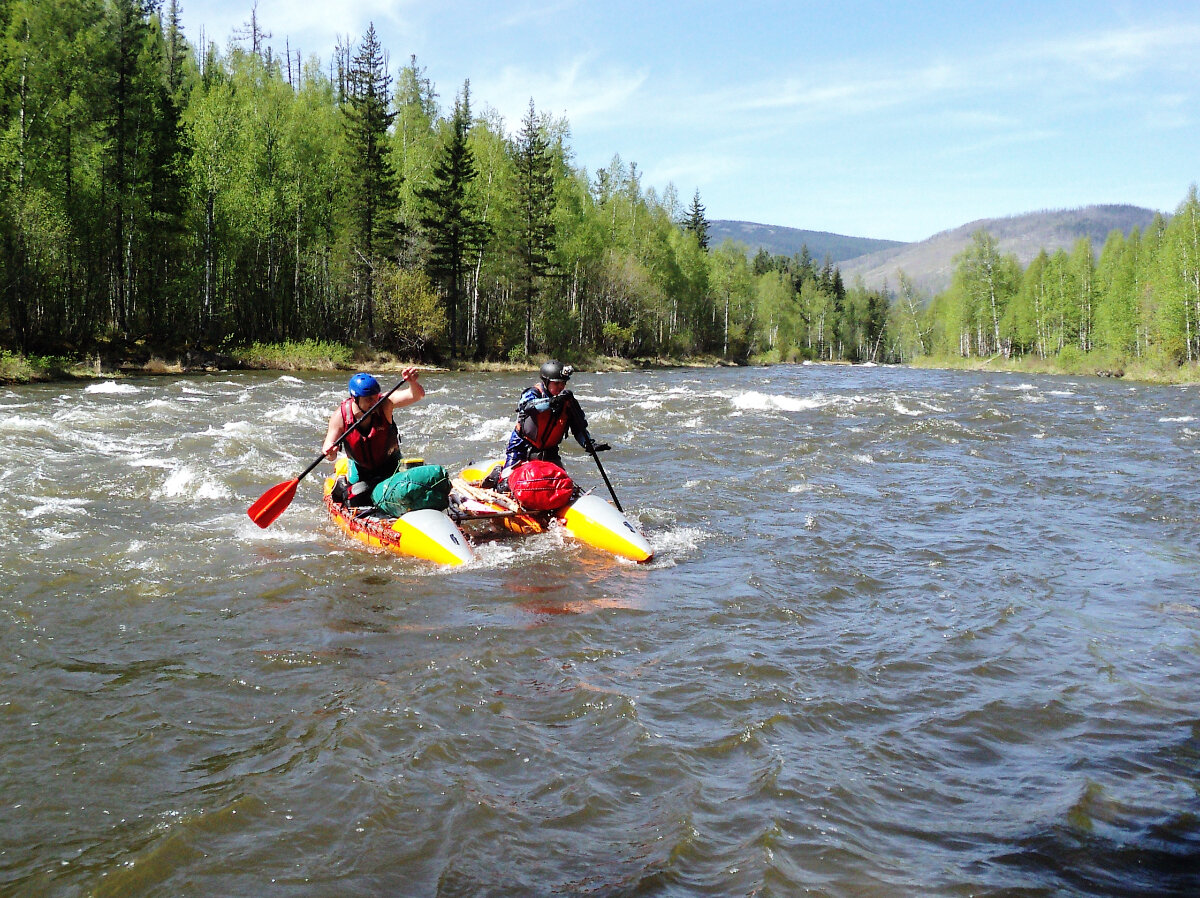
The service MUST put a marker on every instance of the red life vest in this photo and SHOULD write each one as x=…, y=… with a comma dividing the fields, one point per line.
x=545, y=430
x=372, y=448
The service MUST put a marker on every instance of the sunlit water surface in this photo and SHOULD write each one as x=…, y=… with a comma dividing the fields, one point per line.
x=906, y=633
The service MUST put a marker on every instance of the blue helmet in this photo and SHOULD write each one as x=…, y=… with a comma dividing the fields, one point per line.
x=363, y=384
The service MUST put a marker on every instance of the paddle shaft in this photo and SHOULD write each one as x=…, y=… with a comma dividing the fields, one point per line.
x=617, y=502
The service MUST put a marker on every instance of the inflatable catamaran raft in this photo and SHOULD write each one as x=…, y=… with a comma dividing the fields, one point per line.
x=477, y=514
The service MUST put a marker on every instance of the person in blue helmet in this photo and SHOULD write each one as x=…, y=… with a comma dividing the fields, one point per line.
x=546, y=412
x=374, y=445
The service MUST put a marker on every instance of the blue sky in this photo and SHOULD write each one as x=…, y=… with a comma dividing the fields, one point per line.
x=874, y=119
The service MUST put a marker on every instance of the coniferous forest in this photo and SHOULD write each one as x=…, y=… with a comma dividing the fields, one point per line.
x=165, y=192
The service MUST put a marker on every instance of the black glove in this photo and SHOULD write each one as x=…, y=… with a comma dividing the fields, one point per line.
x=599, y=447
x=557, y=402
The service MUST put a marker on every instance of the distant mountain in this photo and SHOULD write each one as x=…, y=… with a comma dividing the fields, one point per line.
x=930, y=263
x=780, y=241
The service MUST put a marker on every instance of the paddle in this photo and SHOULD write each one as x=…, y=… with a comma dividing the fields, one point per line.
x=275, y=501
x=594, y=451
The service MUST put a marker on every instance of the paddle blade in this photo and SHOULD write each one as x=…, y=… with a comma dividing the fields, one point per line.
x=272, y=503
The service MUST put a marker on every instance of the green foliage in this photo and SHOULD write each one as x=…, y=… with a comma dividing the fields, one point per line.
x=411, y=317
x=185, y=196
x=450, y=217
x=1135, y=307
x=294, y=356
x=695, y=223
x=16, y=368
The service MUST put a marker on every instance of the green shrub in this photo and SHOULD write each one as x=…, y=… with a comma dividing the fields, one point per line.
x=292, y=356
x=16, y=368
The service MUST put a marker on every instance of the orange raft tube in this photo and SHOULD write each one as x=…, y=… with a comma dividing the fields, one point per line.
x=426, y=533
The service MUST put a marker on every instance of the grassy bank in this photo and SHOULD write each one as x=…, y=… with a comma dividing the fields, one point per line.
x=16, y=368
x=1144, y=370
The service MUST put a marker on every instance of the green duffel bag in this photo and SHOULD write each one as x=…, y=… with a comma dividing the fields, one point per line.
x=409, y=489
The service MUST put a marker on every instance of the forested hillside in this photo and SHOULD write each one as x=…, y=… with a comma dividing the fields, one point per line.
x=930, y=263
x=1138, y=299
x=780, y=241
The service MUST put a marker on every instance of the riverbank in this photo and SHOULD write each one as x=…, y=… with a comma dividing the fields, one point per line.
x=139, y=360
x=1076, y=365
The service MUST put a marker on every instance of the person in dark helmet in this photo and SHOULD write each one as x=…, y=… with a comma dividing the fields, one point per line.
x=374, y=446
x=546, y=412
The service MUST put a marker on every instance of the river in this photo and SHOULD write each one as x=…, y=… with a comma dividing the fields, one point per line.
x=906, y=633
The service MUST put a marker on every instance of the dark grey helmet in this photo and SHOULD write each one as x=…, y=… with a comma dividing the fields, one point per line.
x=555, y=370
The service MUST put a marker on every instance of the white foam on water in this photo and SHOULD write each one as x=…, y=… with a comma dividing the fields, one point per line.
x=864, y=459
x=493, y=431
x=930, y=406
x=801, y=488
x=752, y=400
x=901, y=409
x=111, y=386
x=22, y=424
x=691, y=423
x=676, y=541
x=1100, y=408
x=1017, y=388
x=51, y=535
x=497, y=553
x=109, y=445
x=298, y=413
x=233, y=428
x=186, y=482
x=810, y=522
x=1060, y=393
x=163, y=403
x=1185, y=419
x=52, y=506
x=150, y=462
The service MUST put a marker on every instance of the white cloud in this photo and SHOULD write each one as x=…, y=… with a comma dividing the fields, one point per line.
x=1121, y=50
x=685, y=170
x=589, y=98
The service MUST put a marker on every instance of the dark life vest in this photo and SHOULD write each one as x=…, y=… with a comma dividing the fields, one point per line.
x=545, y=430
x=373, y=440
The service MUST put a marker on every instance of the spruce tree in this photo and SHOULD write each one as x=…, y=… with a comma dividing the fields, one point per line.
x=535, y=203
x=451, y=224
x=372, y=182
x=696, y=222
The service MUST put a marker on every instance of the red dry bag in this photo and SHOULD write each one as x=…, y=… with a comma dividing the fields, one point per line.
x=541, y=486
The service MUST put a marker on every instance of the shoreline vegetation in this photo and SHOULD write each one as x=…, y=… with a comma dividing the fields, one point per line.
x=17, y=369
x=169, y=207
x=314, y=356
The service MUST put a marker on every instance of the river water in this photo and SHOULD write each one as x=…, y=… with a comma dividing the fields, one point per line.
x=906, y=633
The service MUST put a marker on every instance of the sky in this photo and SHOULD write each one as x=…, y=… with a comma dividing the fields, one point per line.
x=872, y=118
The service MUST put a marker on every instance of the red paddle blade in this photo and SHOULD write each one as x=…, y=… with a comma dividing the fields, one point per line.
x=272, y=503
